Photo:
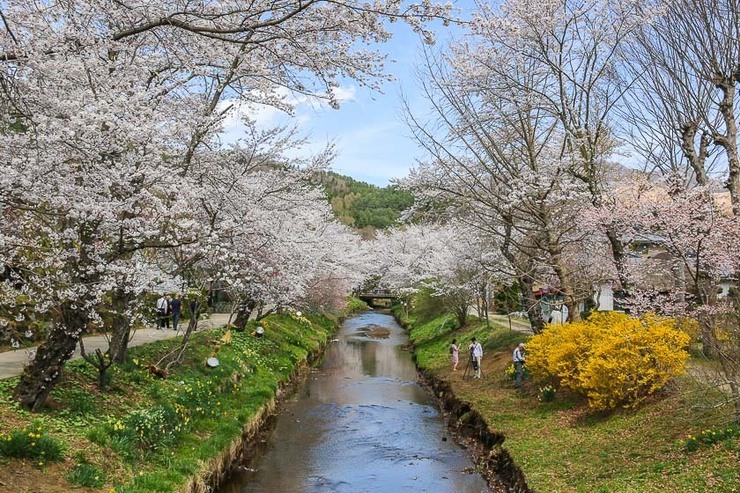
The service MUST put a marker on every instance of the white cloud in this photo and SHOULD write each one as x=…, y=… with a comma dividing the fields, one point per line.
x=344, y=94
x=372, y=143
x=297, y=109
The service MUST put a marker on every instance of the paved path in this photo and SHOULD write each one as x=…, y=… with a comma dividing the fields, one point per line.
x=12, y=362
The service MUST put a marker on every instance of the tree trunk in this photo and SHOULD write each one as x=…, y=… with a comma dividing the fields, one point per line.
x=532, y=305
x=620, y=258
x=483, y=296
x=706, y=292
x=42, y=374
x=241, y=319
x=728, y=141
x=243, y=312
x=120, y=338
x=194, y=315
x=183, y=345
x=462, y=313
x=177, y=355
x=121, y=326
x=566, y=287
x=729, y=369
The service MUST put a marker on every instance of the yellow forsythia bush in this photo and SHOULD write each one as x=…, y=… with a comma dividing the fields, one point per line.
x=611, y=358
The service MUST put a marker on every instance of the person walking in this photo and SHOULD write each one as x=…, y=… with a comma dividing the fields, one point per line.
x=476, y=355
x=519, y=364
x=176, y=308
x=455, y=352
x=162, y=307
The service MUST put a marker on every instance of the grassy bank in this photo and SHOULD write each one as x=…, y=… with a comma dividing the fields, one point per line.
x=561, y=446
x=149, y=434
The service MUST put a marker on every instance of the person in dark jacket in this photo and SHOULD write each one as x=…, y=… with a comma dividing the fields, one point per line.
x=176, y=309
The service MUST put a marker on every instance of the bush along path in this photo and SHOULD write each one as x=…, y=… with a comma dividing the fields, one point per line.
x=547, y=440
x=148, y=434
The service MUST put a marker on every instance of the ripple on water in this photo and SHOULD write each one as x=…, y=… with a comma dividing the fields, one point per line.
x=362, y=425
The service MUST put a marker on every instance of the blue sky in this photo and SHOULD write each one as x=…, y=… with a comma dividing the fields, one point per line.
x=373, y=142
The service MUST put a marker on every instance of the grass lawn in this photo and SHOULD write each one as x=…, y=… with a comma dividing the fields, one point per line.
x=562, y=446
x=148, y=434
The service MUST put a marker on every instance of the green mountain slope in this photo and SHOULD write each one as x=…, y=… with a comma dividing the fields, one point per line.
x=362, y=205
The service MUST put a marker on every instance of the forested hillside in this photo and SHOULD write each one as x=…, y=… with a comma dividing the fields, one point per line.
x=362, y=205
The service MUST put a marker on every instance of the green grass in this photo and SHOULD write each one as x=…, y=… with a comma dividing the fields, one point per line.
x=150, y=434
x=355, y=305
x=89, y=475
x=31, y=442
x=563, y=447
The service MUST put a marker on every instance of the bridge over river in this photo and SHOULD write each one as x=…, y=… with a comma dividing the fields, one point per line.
x=373, y=297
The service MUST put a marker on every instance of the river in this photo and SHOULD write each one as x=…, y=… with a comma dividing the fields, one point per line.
x=360, y=424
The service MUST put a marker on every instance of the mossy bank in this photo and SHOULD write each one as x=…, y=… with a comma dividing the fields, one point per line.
x=561, y=445
x=149, y=434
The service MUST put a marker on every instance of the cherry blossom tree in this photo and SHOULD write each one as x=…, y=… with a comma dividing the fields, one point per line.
x=680, y=112
x=107, y=108
x=85, y=186
x=277, y=238
x=499, y=167
x=522, y=133
x=690, y=275
x=452, y=261
x=573, y=50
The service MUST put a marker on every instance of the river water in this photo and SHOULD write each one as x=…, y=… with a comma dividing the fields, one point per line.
x=360, y=424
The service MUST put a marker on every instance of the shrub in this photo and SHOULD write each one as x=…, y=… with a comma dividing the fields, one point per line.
x=427, y=306
x=712, y=436
x=31, y=443
x=547, y=393
x=146, y=429
x=86, y=474
x=510, y=372
x=611, y=358
x=81, y=402
x=355, y=305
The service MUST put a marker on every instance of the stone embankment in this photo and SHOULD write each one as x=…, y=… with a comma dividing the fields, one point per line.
x=470, y=429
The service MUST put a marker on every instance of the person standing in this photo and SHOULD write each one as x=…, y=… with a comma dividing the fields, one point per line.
x=519, y=364
x=476, y=355
x=162, y=307
x=176, y=308
x=168, y=312
x=455, y=352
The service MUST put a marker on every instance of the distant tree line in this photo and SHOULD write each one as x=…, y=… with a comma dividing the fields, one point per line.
x=364, y=206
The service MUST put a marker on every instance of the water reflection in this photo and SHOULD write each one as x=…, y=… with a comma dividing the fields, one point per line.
x=360, y=424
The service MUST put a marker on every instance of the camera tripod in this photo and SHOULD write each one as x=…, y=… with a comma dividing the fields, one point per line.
x=470, y=368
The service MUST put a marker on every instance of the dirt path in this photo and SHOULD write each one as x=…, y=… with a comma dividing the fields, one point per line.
x=516, y=323
x=12, y=362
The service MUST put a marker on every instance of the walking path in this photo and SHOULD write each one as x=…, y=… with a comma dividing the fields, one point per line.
x=516, y=323
x=12, y=362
